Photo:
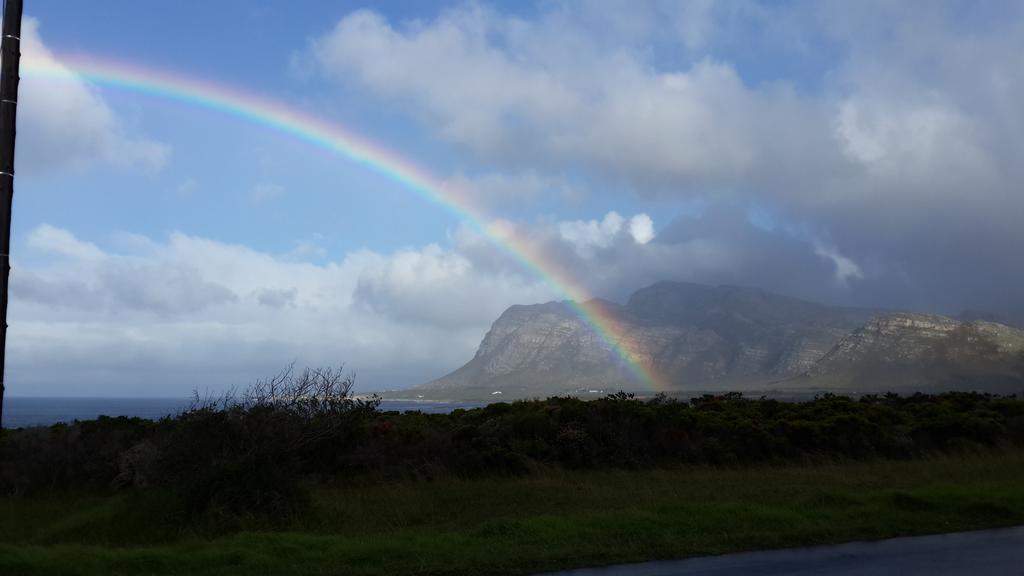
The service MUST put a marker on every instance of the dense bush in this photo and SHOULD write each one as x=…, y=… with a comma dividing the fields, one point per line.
x=251, y=455
x=224, y=458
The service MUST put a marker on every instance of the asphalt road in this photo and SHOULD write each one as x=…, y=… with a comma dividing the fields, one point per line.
x=981, y=553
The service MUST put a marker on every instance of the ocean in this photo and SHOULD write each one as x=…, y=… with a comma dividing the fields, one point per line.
x=24, y=411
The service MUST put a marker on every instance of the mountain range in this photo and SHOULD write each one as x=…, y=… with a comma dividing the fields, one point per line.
x=700, y=338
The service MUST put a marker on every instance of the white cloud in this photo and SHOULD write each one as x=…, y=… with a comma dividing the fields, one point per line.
x=277, y=298
x=586, y=236
x=86, y=319
x=112, y=282
x=442, y=288
x=472, y=96
x=538, y=94
x=161, y=316
x=845, y=269
x=877, y=126
x=66, y=122
x=641, y=228
x=906, y=144
x=308, y=249
x=54, y=240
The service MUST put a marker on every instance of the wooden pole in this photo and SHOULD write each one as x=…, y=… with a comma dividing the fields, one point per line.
x=10, y=51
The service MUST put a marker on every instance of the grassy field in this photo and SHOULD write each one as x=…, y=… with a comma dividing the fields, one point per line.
x=518, y=526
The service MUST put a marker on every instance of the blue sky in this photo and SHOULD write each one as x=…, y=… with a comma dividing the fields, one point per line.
x=221, y=162
x=813, y=149
x=218, y=161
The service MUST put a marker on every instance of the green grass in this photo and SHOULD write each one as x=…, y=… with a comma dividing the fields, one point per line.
x=518, y=526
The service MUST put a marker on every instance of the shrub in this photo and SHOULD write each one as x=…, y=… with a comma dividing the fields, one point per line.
x=248, y=456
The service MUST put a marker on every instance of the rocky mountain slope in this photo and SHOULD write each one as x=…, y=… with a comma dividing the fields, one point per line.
x=704, y=338
x=904, y=352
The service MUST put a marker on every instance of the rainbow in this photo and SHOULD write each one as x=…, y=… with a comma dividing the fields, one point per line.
x=332, y=137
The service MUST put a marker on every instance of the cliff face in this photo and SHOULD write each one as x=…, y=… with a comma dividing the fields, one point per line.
x=544, y=348
x=726, y=337
x=697, y=337
x=906, y=351
x=905, y=337
x=702, y=338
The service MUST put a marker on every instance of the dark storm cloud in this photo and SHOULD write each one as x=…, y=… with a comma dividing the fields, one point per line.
x=884, y=138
